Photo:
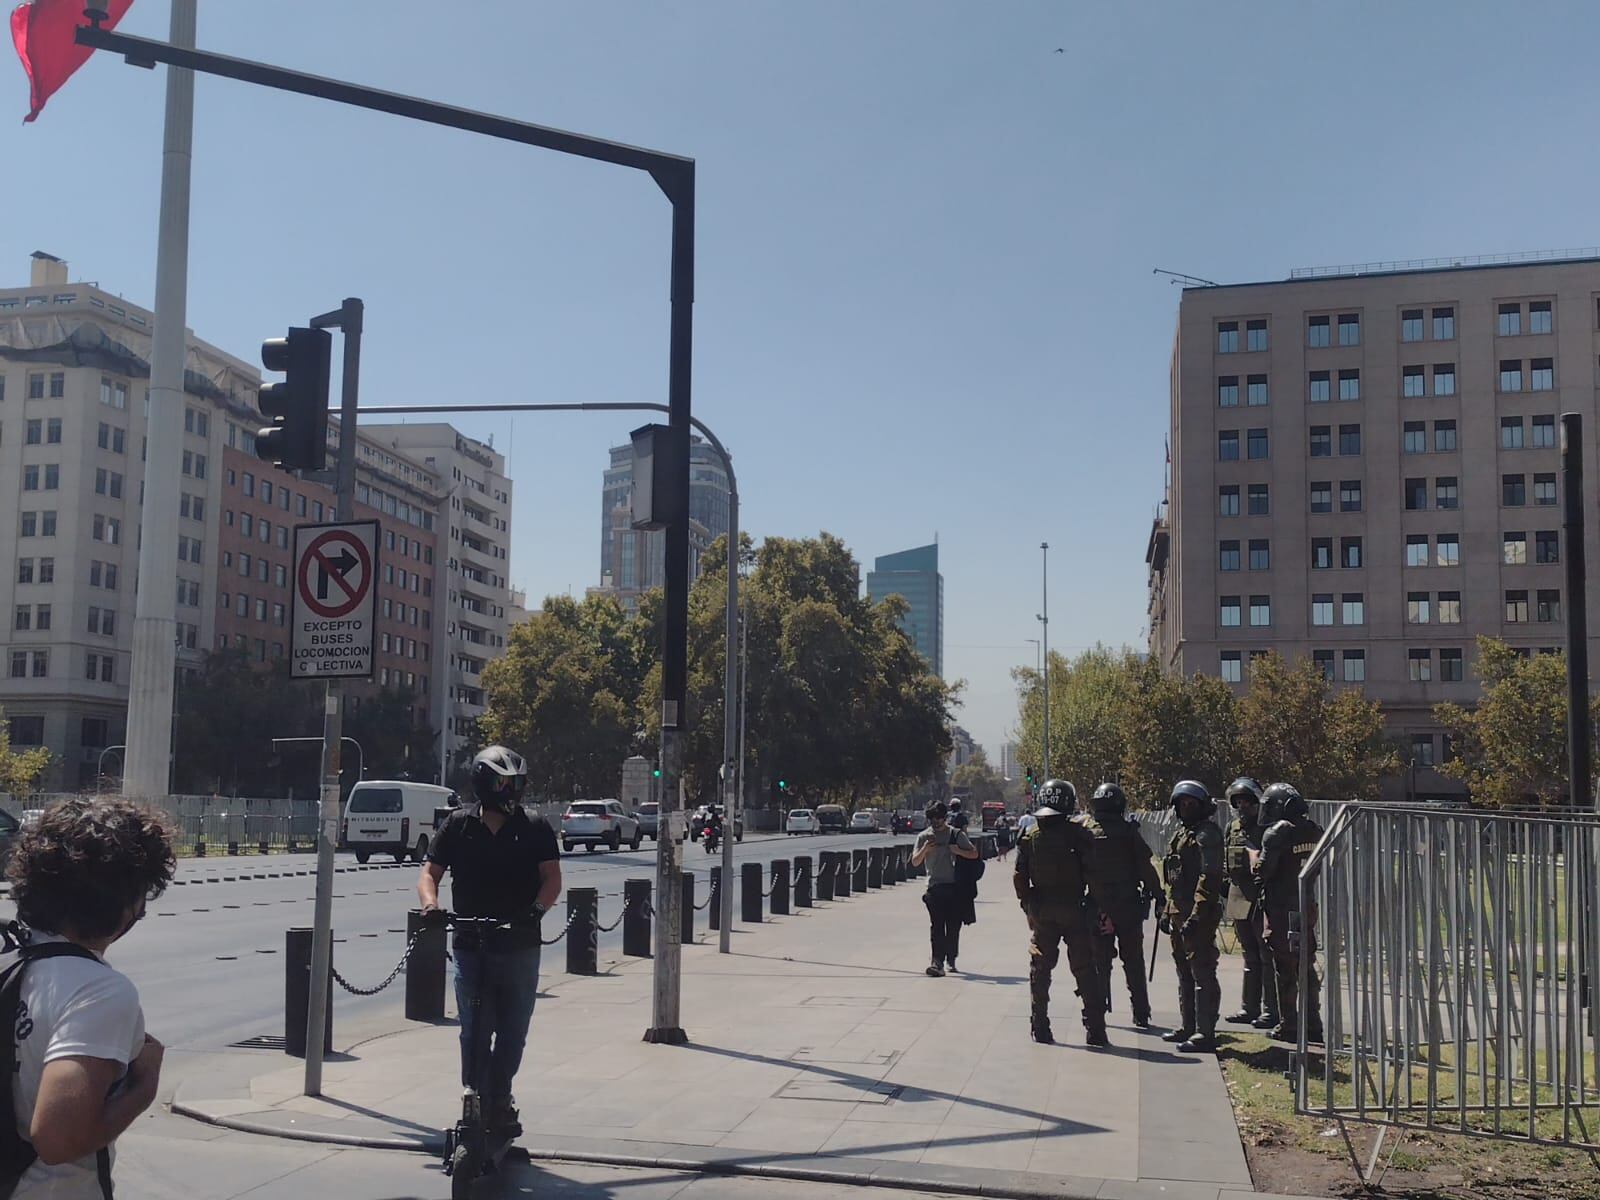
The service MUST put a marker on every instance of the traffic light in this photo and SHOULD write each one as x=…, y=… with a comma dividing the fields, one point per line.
x=297, y=439
x=783, y=785
x=657, y=772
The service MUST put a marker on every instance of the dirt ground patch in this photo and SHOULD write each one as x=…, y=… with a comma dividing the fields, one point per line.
x=1308, y=1156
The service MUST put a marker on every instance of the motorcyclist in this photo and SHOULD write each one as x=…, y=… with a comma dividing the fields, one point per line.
x=1193, y=870
x=713, y=830
x=1122, y=883
x=1241, y=846
x=1289, y=838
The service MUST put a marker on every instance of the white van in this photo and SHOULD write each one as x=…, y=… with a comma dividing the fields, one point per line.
x=391, y=817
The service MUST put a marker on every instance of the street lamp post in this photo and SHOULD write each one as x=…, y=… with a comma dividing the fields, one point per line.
x=1044, y=620
x=100, y=766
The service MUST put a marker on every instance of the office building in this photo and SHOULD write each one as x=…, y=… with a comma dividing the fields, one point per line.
x=1010, y=767
x=1365, y=471
x=632, y=561
x=914, y=574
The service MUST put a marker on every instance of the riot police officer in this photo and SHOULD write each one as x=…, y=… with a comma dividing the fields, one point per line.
x=1193, y=869
x=1049, y=880
x=1289, y=837
x=1241, y=845
x=1122, y=881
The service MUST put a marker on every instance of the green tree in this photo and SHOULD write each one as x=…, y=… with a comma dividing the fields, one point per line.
x=236, y=755
x=19, y=768
x=978, y=775
x=1179, y=727
x=1091, y=698
x=1511, y=747
x=1294, y=727
x=396, y=741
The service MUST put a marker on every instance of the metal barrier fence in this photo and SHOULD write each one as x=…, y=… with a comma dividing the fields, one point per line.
x=213, y=825
x=1459, y=952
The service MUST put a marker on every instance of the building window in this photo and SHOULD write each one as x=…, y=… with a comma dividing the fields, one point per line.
x=1350, y=495
x=1256, y=391
x=1517, y=607
x=1416, y=493
x=1540, y=317
x=1322, y=554
x=1414, y=438
x=1321, y=441
x=24, y=618
x=1228, y=391
x=1418, y=608
x=1421, y=664
x=1317, y=331
x=1227, y=445
x=30, y=478
x=1256, y=499
x=1228, y=337
x=33, y=432
x=35, y=387
x=1230, y=611
x=1544, y=431
x=1444, y=435
x=1513, y=490
x=1544, y=489
x=1319, y=387
x=1353, y=609
x=1416, y=549
x=1547, y=546
x=1355, y=665
x=1230, y=666
x=1446, y=492
x=1350, y=384
x=1510, y=320
x=1322, y=608
x=1447, y=550
x=1411, y=325
x=1256, y=444
x=1444, y=324
x=1547, y=606
x=1260, y=554
x=1227, y=504
x=1542, y=374
x=1414, y=381
x=1450, y=665
x=1227, y=557
x=1350, y=552
x=1421, y=743
x=1511, y=375
x=1349, y=329
x=1511, y=433
x=1349, y=439
x=1261, y=610
x=1324, y=661
x=1515, y=548
x=1321, y=497
x=1255, y=335
x=1444, y=379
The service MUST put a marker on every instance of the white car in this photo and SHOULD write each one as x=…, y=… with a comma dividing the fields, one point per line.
x=596, y=823
x=802, y=820
x=865, y=821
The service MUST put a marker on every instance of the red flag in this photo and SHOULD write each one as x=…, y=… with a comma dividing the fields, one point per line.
x=43, y=33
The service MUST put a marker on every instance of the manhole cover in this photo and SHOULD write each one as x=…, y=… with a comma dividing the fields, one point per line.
x=265, y=1041
x=840, y=1091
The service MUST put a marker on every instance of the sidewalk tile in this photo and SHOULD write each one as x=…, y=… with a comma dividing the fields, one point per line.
x=967, y=1144
x=790, y=1135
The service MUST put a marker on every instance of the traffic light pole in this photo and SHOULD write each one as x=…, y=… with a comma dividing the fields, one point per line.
x=347, y=318
x=675, y=176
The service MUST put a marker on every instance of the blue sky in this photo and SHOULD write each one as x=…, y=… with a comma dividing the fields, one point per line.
x=925, y=298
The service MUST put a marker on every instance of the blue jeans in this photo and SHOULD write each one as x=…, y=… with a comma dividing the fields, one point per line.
x=495, y=992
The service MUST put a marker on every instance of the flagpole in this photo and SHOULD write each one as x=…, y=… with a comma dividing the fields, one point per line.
x=151, y=681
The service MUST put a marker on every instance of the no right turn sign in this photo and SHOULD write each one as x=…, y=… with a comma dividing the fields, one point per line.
x=335, y=600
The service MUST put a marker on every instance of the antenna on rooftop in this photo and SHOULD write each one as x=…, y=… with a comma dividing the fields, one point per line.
x=1188, y=280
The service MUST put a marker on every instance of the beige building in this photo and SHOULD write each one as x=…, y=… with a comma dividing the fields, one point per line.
x=1365, y=470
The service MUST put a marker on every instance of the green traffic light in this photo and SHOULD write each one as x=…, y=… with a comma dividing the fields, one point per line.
x=658, y=772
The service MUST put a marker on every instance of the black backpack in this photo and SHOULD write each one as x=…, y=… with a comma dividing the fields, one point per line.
x=968, y=870
x=16, y=1152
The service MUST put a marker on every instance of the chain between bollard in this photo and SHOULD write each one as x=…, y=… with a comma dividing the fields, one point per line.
x=706, y=903
x=599, y=928
x=393, y=975
x=571, y=917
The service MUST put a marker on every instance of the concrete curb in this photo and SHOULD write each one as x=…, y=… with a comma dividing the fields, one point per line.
x=860, y=1172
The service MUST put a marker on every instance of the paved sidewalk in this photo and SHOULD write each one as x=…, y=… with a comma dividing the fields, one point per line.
x=819, y=1050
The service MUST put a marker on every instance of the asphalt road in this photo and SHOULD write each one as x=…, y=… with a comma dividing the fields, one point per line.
x=208, y=959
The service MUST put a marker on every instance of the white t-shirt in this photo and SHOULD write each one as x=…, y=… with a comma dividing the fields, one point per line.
x=1026, y=822
x=71, y=1008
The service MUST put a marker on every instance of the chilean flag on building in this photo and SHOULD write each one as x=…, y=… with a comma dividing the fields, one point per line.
x=42, y=31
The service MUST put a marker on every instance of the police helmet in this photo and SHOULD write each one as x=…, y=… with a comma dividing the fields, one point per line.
x=1108, y=800
x=1242, y=789
x=1193, y=789
x=1057, y=795
x=1282, y=801
x=499, y=777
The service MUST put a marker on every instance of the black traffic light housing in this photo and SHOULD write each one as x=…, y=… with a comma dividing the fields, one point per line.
x=297, y=439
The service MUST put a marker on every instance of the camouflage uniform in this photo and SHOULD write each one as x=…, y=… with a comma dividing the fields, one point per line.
x=1193, y=870
x=1285, y=847
x=1049, y=880
x=1121, y=879
x=1260, y=987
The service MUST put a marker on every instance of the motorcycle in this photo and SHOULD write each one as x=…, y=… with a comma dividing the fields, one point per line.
x=710, y=838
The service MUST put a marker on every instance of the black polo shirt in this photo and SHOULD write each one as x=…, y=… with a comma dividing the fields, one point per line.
x=495, y=874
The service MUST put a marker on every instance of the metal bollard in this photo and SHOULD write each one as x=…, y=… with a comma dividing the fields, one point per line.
x=779, y=903
x=841, y=874
x=891, y=855
x=802, y=881
x=297, y=992
x=686, y=908
x=875, y=867
x=583, y=951
x=858, y=866
x=636, y=918
x=425, y=968
x=714, y=906
x=902, y=864
x=825, y=875
x=750, y=893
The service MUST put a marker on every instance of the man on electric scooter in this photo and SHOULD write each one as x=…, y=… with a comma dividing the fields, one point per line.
x=504, y=865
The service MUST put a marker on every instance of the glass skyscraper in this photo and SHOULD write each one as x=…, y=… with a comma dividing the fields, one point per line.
x=914, y=574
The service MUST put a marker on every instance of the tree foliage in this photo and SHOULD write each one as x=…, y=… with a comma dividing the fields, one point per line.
x=19, y=768
x=983, y=781
x=1511, y=747
x=1179, y=727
